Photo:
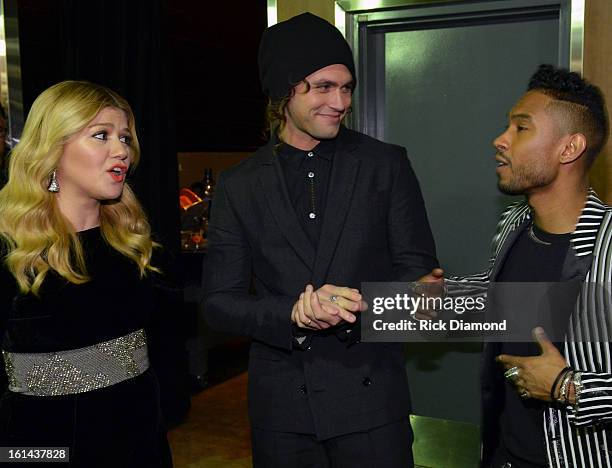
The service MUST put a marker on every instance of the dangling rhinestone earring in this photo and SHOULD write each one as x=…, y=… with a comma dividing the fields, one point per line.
x=53, y=185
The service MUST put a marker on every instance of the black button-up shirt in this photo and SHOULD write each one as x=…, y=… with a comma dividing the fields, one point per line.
x=307, y=176
x=303, y=172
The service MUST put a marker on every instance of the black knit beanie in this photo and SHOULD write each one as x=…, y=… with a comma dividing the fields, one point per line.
x=291, y=50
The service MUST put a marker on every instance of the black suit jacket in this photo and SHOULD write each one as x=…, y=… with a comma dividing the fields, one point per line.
x=374, y=229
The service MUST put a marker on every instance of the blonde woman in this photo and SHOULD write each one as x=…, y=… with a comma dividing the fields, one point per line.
x=77, y=286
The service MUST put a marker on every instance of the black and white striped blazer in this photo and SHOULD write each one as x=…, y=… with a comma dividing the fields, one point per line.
x=578, y=436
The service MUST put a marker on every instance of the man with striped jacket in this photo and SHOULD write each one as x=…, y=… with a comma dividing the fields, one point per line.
x=553, y=404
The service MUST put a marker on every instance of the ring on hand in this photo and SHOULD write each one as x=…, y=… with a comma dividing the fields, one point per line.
x=512, y=373
x=525, y=394
x=309, y=322
x=333, y=299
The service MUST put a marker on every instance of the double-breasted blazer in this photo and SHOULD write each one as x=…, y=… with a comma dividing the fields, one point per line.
x=374, y=228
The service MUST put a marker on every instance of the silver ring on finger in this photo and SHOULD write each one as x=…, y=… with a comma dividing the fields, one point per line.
x=525, y=394
x=333, y=299
x=512, y=374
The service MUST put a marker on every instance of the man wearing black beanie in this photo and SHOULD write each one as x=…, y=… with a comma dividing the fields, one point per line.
x=309, y=217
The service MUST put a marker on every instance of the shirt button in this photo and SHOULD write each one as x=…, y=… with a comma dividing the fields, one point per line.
x=303, y=390
x=310, y=154
x=367, y=382
x=311, y=174
x=312, y=216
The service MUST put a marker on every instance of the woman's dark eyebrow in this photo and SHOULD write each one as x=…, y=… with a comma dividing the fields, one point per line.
x=107, y=124
x=101, y=124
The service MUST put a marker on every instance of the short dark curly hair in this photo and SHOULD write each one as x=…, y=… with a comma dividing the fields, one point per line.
x=580, y=104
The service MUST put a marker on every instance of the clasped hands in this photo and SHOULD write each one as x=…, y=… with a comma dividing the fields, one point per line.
x=330, y=304
x=327, y=306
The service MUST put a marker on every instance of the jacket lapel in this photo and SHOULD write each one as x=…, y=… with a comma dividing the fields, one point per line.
x=341, y=184
x=578, y=261
x=275, y=191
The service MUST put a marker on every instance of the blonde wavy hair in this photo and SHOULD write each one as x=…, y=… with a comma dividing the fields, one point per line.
x=36, y=236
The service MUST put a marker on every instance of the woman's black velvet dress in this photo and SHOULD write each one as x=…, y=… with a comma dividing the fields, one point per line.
x=115, y=426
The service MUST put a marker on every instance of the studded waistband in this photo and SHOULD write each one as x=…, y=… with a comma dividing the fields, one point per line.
x=78, y=370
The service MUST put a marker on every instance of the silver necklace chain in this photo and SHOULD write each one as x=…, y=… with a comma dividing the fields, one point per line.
x=536, y=238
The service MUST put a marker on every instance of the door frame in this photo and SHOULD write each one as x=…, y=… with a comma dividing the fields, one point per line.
x=358, y=20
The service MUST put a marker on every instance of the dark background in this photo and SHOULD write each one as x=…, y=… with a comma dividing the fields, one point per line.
x=211, y=59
